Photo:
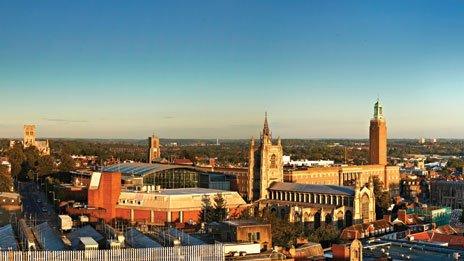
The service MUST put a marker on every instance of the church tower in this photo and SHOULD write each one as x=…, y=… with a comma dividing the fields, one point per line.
x=29, y=135
x=378, y=137
x=265, y=164
x=153, y=148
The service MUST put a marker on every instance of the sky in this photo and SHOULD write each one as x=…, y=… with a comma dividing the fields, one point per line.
x=210, y=69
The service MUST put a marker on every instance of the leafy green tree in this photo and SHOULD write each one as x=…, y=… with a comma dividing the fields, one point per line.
x=207, y=212
x=326, y=235
x=44, y=166
x=213, y=213
x=220, y=209
x=284, y=233
x=16, y=157
x=455, y=163
x=30, y=162
x=6, y=182
x=382, y=198
x=66, y=163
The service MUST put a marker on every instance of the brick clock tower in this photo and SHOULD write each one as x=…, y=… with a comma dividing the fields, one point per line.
x=378, y=137
x=265, y=165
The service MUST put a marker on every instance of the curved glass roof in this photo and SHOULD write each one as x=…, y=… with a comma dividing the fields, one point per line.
x=142, y=169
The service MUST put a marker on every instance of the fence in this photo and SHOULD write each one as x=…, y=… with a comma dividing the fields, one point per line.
x=188, y=253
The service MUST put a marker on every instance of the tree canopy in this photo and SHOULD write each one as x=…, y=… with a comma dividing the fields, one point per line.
x=6, y=182
x=213, y=212
x=382, y=198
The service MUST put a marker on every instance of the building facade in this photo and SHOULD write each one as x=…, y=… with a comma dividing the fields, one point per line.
x=265, y=164
x=346, y=175
x=447, y=193
x=243, y=231
x=315, y=205
x=29, y=140
x=107, y=200
x=154, y=151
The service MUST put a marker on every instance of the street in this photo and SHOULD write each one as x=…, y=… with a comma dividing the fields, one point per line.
x=35, y=204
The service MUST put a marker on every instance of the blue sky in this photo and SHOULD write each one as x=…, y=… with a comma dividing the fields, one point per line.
x=207, y=69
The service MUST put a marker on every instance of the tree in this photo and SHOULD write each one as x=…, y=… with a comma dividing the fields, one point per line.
x=326, y=235
x=455, y=163
x=284, y=233
x=6, y=182
x=213, y=213
x=207, y=210
x=16, y=157
x=30, y=162
x=462, y=217
x=44, y=166
x=66, y=163
x=220, y=209
x=382, y=198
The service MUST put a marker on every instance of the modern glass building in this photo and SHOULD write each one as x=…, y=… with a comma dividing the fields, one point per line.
x=164, y=175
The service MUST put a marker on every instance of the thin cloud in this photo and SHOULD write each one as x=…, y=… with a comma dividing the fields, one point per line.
x=64, y=120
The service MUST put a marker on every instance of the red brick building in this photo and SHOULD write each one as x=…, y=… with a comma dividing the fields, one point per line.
x=107, y=200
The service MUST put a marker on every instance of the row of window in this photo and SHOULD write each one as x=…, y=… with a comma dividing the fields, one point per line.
x=130, y=201
x=311, y=198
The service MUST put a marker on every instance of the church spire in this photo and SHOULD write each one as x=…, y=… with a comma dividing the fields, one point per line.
x=378, y=110
x=266, y=131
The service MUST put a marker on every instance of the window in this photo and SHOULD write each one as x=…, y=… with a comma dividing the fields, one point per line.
x=273, y=161
x=254, y=237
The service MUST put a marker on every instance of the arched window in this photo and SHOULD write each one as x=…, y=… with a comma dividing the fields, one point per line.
x=348, y=218
x=317, y=220
x=273, y=161
x=340, y=219
x=328, y=219
x=365, y=207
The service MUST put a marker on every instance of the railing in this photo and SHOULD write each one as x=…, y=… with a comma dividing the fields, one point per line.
x=188, y=253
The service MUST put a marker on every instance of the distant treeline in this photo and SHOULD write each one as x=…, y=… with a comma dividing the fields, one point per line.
x=235, y=151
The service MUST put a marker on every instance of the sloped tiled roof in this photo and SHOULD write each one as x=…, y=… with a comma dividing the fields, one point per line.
x=7, y=238
x=309, y=188
x=48, y=238
x=433, y=236
x=136, y=239
x=86, y=231
x=446, y=229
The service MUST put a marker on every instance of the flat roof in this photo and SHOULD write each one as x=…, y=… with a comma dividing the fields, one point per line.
x=245, y=222
x=88, y=241
x=183, y=191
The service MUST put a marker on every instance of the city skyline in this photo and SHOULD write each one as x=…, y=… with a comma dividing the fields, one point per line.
x=189, y=70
